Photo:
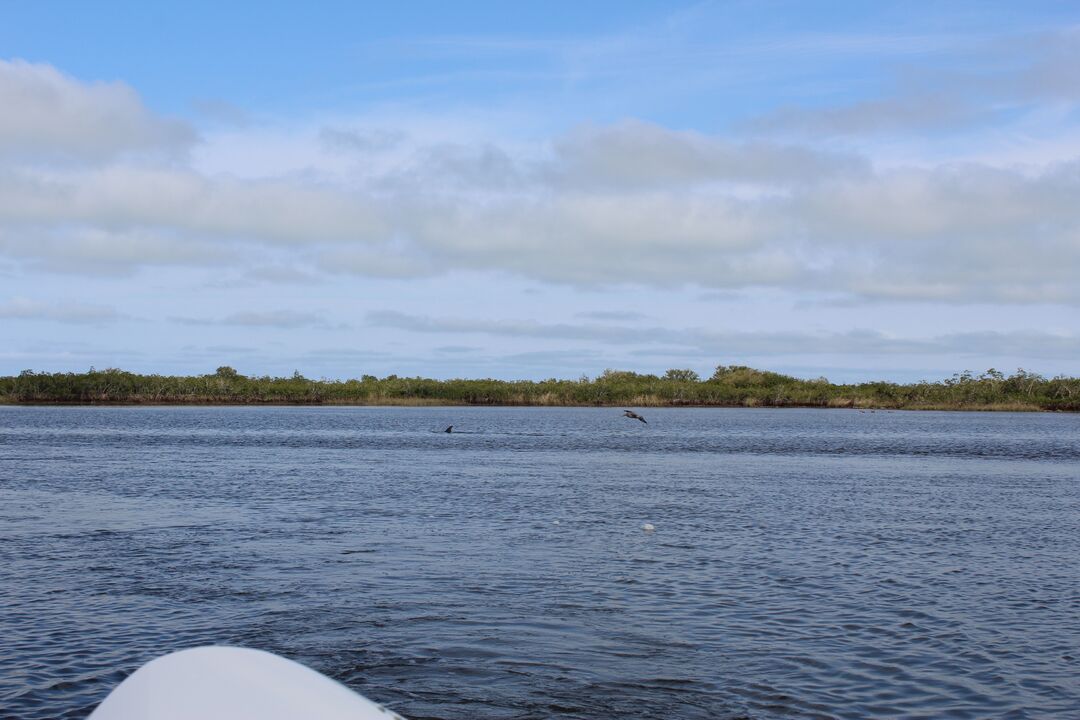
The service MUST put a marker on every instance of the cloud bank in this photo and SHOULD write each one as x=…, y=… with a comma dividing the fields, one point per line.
x=51, y=116
x=725, y=344
x=90, y=183
x=73, y=313
x=277, y=319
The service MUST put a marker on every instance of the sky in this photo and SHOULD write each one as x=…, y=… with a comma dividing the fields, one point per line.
x=853, y=190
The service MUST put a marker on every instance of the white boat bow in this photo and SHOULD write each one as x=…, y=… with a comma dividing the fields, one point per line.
x=231, y=683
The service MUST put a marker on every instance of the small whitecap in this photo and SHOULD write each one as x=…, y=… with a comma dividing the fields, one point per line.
x=556, y=522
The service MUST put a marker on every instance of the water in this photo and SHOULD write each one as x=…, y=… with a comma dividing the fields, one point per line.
x=805, y=563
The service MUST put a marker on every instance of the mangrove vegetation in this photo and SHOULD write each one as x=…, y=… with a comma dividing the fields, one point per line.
x=728, y=386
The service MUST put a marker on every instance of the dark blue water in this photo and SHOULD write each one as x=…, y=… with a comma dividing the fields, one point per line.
x=804, y=564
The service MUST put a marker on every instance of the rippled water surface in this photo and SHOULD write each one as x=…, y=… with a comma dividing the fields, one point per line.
x=804, y=564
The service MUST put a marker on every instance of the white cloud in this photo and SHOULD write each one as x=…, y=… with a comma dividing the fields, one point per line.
x=222, y=112
x=963, y=233
x=716, y=343
x=74, y=313
x=280, y=319
x=996, y=78
x=612, y=315
x=457, y=349
x=631, y=203
x=634, y=154
x=92, y=251
x=283, y=275
x=125, y=197
x=360, y=141
x=51, y=116
x=920, y=112
x=951, y=233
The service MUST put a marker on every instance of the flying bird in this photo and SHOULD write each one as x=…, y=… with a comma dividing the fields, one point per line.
x=634, y=416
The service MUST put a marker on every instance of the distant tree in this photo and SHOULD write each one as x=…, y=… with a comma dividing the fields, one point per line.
x=611, y=375
x=682, y=375
x=226, y=372
x=723, y=371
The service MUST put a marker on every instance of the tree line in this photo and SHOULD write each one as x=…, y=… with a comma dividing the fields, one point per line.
x=729, y=385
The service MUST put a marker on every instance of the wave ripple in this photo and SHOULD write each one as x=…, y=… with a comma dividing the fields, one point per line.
x=815, y=564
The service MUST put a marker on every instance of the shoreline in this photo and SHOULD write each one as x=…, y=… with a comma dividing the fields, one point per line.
x=729, y=387
x=995, y=407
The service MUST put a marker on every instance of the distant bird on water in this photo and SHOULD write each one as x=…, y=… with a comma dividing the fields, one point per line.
x=634, y=416
x=449, y=428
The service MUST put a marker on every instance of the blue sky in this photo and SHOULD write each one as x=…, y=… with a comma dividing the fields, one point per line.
x=856, y=190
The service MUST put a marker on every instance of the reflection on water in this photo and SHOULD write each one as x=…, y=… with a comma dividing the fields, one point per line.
x=804, y=564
